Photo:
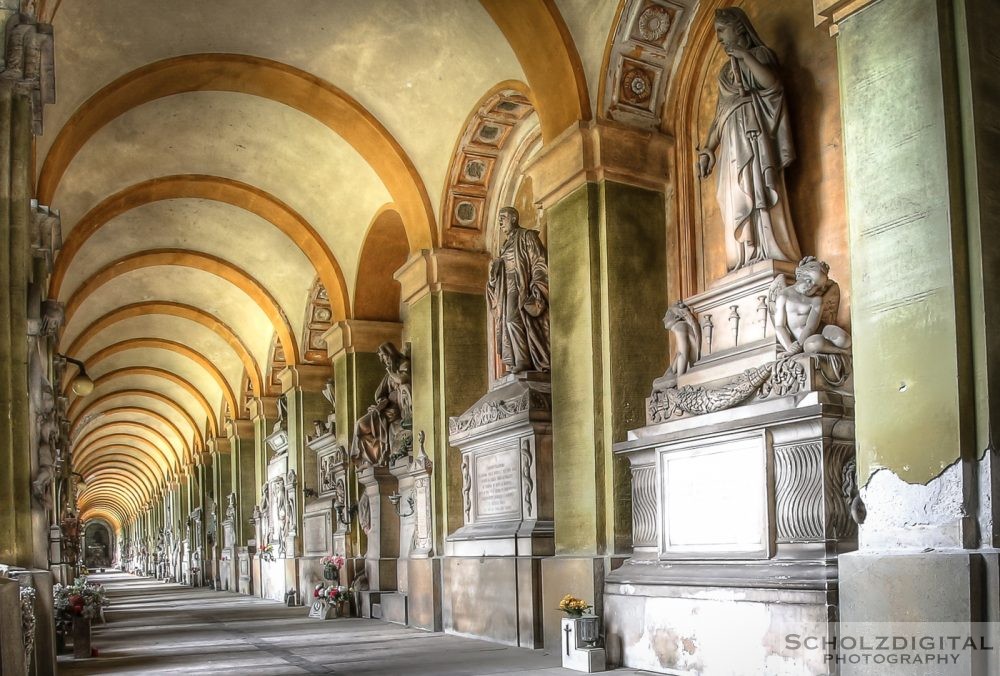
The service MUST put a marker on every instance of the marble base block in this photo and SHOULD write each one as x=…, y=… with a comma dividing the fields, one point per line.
x=495, y=598
x=277, y=578
x=714, y=631
x=424, y=595
x=394, y=607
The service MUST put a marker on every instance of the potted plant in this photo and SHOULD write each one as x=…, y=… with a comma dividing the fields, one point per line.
x=332, y=566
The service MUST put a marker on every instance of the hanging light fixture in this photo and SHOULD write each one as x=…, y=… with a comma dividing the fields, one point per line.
x=82, y=385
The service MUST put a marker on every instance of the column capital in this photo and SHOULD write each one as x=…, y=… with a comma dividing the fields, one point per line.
x=830, y=13
x=311, y=377
x=598, y=150
x=430, y=270
x=238, y=428
x=263, y=407
x=28, y=61
x=359, y=335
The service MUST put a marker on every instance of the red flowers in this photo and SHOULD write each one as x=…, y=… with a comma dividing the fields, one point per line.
x=76, y=604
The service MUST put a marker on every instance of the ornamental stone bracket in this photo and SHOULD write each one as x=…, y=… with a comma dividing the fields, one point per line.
x=358, y=335
x=29, y=63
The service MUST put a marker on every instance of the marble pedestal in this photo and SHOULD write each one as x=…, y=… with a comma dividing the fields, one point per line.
x=738, y=518
x=324, y=532
x=378, y=519
x=244, y=571
x=413, y=507
x=506, y=445
x=11, y=641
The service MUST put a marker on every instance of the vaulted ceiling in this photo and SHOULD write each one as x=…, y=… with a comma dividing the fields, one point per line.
x=213, y=161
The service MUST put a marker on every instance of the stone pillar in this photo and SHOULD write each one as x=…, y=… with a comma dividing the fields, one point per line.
x=601, y=186
x=919, y=108
x=351, y=346
x=243, y=477
x=28, y=82
x=444, y=306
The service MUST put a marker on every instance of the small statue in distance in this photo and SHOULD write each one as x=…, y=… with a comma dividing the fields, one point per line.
x=804, y=314
x=518, y=293
x=681, y=322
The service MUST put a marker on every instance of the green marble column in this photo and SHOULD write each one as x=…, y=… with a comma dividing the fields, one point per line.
x=243, y=478
x=608, y=292
x=919, y=105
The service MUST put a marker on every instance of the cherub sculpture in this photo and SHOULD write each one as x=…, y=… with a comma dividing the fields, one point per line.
x=804, y=313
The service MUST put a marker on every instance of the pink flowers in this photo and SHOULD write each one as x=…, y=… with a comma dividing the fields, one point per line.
x=336, y=561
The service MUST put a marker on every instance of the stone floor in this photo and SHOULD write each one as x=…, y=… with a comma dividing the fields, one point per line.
x=157, y=628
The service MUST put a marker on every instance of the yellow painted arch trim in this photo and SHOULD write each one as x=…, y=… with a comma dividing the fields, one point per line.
x=153, y=453
x=268, y=79
x=124, y=464
x=182, y=458
x=111, y=428
x=170, y=346
x=173, y=309
x=548, y=56
x=103, y=479
x=83, y=406
x=163, y=374
x=227, y=191
x=105, y=505
x=115, y=518
x=199, y=261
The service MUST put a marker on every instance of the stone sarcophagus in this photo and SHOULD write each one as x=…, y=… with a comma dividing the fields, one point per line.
x=742, y=479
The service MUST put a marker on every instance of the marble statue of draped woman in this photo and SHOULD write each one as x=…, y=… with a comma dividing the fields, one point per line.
x=749, y=144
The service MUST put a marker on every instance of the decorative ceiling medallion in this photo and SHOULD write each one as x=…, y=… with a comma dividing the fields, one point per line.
x=472, y=166
x=491, y=134
x=654, y=23
x=466, y=211
x=319, y=316
x=476, y=172
x=637, y=84
x=646, y=40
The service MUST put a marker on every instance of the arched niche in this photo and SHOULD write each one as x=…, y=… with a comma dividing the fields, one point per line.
x=98, y=545
x=815, y=180
x=376, y=292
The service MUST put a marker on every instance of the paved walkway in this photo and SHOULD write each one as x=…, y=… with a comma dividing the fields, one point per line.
x=157, y=628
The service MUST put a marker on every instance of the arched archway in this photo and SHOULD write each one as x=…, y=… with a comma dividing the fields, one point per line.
x=98, y=545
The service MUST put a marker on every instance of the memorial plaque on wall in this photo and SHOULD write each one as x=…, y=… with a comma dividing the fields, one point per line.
x=498, y=486
x=715, y=498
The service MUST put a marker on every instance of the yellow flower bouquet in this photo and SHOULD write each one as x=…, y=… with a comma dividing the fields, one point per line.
x=573, y=606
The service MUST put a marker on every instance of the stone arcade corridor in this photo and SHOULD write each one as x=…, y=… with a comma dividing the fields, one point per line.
x=158, y=628
x=649, y=334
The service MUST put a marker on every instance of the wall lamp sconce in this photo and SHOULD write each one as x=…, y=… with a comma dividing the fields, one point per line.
x=411, y=503
x=351, y=511
x=82, y=384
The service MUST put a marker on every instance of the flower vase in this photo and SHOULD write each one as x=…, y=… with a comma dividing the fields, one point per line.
x=81, y=637
x=331, y=573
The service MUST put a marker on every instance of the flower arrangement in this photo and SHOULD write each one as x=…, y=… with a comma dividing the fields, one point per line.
x=330, y=594
x=331, y=566
x=267, y=552
x=573, y=606
x=80, y=599
x=337, y=561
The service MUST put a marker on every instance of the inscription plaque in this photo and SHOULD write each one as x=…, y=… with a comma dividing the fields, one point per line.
x=498, y=486
x=715, y=498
